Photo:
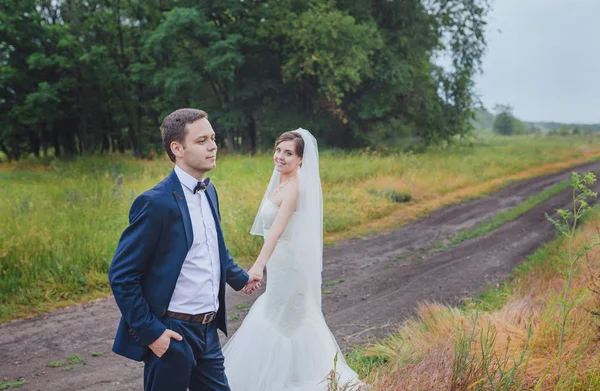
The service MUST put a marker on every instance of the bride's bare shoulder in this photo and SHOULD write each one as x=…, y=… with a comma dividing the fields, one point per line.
x=290, y=193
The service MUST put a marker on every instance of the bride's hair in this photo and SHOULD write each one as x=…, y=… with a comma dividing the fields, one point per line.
x=296, y=138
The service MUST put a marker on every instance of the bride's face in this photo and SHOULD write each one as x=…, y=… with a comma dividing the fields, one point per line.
x=285, y=157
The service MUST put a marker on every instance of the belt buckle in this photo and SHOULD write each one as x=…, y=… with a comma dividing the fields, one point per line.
x=208, y=318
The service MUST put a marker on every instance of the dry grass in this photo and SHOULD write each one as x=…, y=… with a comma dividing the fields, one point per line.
x=423, y=355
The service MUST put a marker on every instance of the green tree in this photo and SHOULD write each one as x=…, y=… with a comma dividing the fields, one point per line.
x=79, y=77
x=505, y=122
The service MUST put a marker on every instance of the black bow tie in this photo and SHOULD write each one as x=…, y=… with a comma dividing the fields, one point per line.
x=201, y=186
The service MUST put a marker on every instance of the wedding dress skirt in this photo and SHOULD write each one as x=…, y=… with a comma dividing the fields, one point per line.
x=284, y=343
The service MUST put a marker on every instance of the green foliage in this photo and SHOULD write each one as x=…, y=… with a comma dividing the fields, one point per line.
x=15, y=384
x=392, y=194
x=56, y=364
x=505, y=123
x=334, y=282
x=327, y=48
x=364, y=364
x=75, y=359
x=234, y=316
x=81, y=77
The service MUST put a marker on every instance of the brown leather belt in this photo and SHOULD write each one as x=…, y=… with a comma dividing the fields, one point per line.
x=198, y=318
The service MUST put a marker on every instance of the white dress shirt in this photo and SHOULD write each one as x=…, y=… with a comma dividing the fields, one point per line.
x=197, y=288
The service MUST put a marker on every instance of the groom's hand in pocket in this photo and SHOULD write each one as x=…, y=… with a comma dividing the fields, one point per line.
x=160, y=346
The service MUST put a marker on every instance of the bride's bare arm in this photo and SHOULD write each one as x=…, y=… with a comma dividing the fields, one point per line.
x=287, y=208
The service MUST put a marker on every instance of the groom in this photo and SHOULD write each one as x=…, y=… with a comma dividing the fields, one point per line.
x=169, y=271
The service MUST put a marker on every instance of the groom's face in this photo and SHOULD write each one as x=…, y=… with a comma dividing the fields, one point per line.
x=198, y=154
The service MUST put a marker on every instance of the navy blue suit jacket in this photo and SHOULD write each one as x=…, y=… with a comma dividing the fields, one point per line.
x=148, y=260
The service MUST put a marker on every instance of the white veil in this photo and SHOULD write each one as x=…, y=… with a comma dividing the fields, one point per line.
x=307, y=222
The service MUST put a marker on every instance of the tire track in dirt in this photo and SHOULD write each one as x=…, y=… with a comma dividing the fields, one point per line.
x=384, y=277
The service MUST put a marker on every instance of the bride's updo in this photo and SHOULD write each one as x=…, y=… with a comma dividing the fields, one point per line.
x=296, y=138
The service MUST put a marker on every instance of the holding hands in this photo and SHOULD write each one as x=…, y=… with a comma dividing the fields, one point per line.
x=256, y=276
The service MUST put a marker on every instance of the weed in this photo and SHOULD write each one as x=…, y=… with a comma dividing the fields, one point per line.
x=566, y=225
x=75, y=359
x=15, y=384
x=334, y=282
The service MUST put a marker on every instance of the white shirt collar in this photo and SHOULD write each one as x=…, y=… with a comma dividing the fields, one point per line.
x=186, y=179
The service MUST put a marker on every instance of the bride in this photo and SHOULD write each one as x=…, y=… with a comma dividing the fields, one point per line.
x=284, y=343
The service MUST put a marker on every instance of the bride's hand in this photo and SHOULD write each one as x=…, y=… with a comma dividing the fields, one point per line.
x=256, y=273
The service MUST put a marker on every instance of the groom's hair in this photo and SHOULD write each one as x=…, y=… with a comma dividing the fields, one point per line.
x=174, y=128
x=296, y=138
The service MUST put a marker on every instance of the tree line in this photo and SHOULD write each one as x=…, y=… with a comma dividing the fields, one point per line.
x=505, y=123
x=97, y=76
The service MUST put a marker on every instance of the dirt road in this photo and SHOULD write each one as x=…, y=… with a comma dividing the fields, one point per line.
x=370, y=286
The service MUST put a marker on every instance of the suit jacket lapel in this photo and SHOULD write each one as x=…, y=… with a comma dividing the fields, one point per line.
x=185, y=212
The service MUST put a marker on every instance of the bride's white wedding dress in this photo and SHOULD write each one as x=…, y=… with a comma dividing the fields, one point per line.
x=284, y=343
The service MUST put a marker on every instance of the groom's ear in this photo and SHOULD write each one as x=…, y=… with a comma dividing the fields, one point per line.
x=177, y=148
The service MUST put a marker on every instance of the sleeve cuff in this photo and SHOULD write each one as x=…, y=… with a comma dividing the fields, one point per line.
x=240, y=282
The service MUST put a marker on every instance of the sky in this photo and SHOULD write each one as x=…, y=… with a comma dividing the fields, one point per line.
x=543, y=59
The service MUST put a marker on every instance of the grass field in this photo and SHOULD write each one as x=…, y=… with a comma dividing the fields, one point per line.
x=60, y=222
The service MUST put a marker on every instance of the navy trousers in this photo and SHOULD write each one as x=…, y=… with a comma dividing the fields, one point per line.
x=196, y=362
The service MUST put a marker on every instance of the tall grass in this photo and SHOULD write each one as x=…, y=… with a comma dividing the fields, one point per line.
x=537, y=332
x=60, y=222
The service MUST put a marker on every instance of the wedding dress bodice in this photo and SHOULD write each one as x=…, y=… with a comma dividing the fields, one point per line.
x=269, y=212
